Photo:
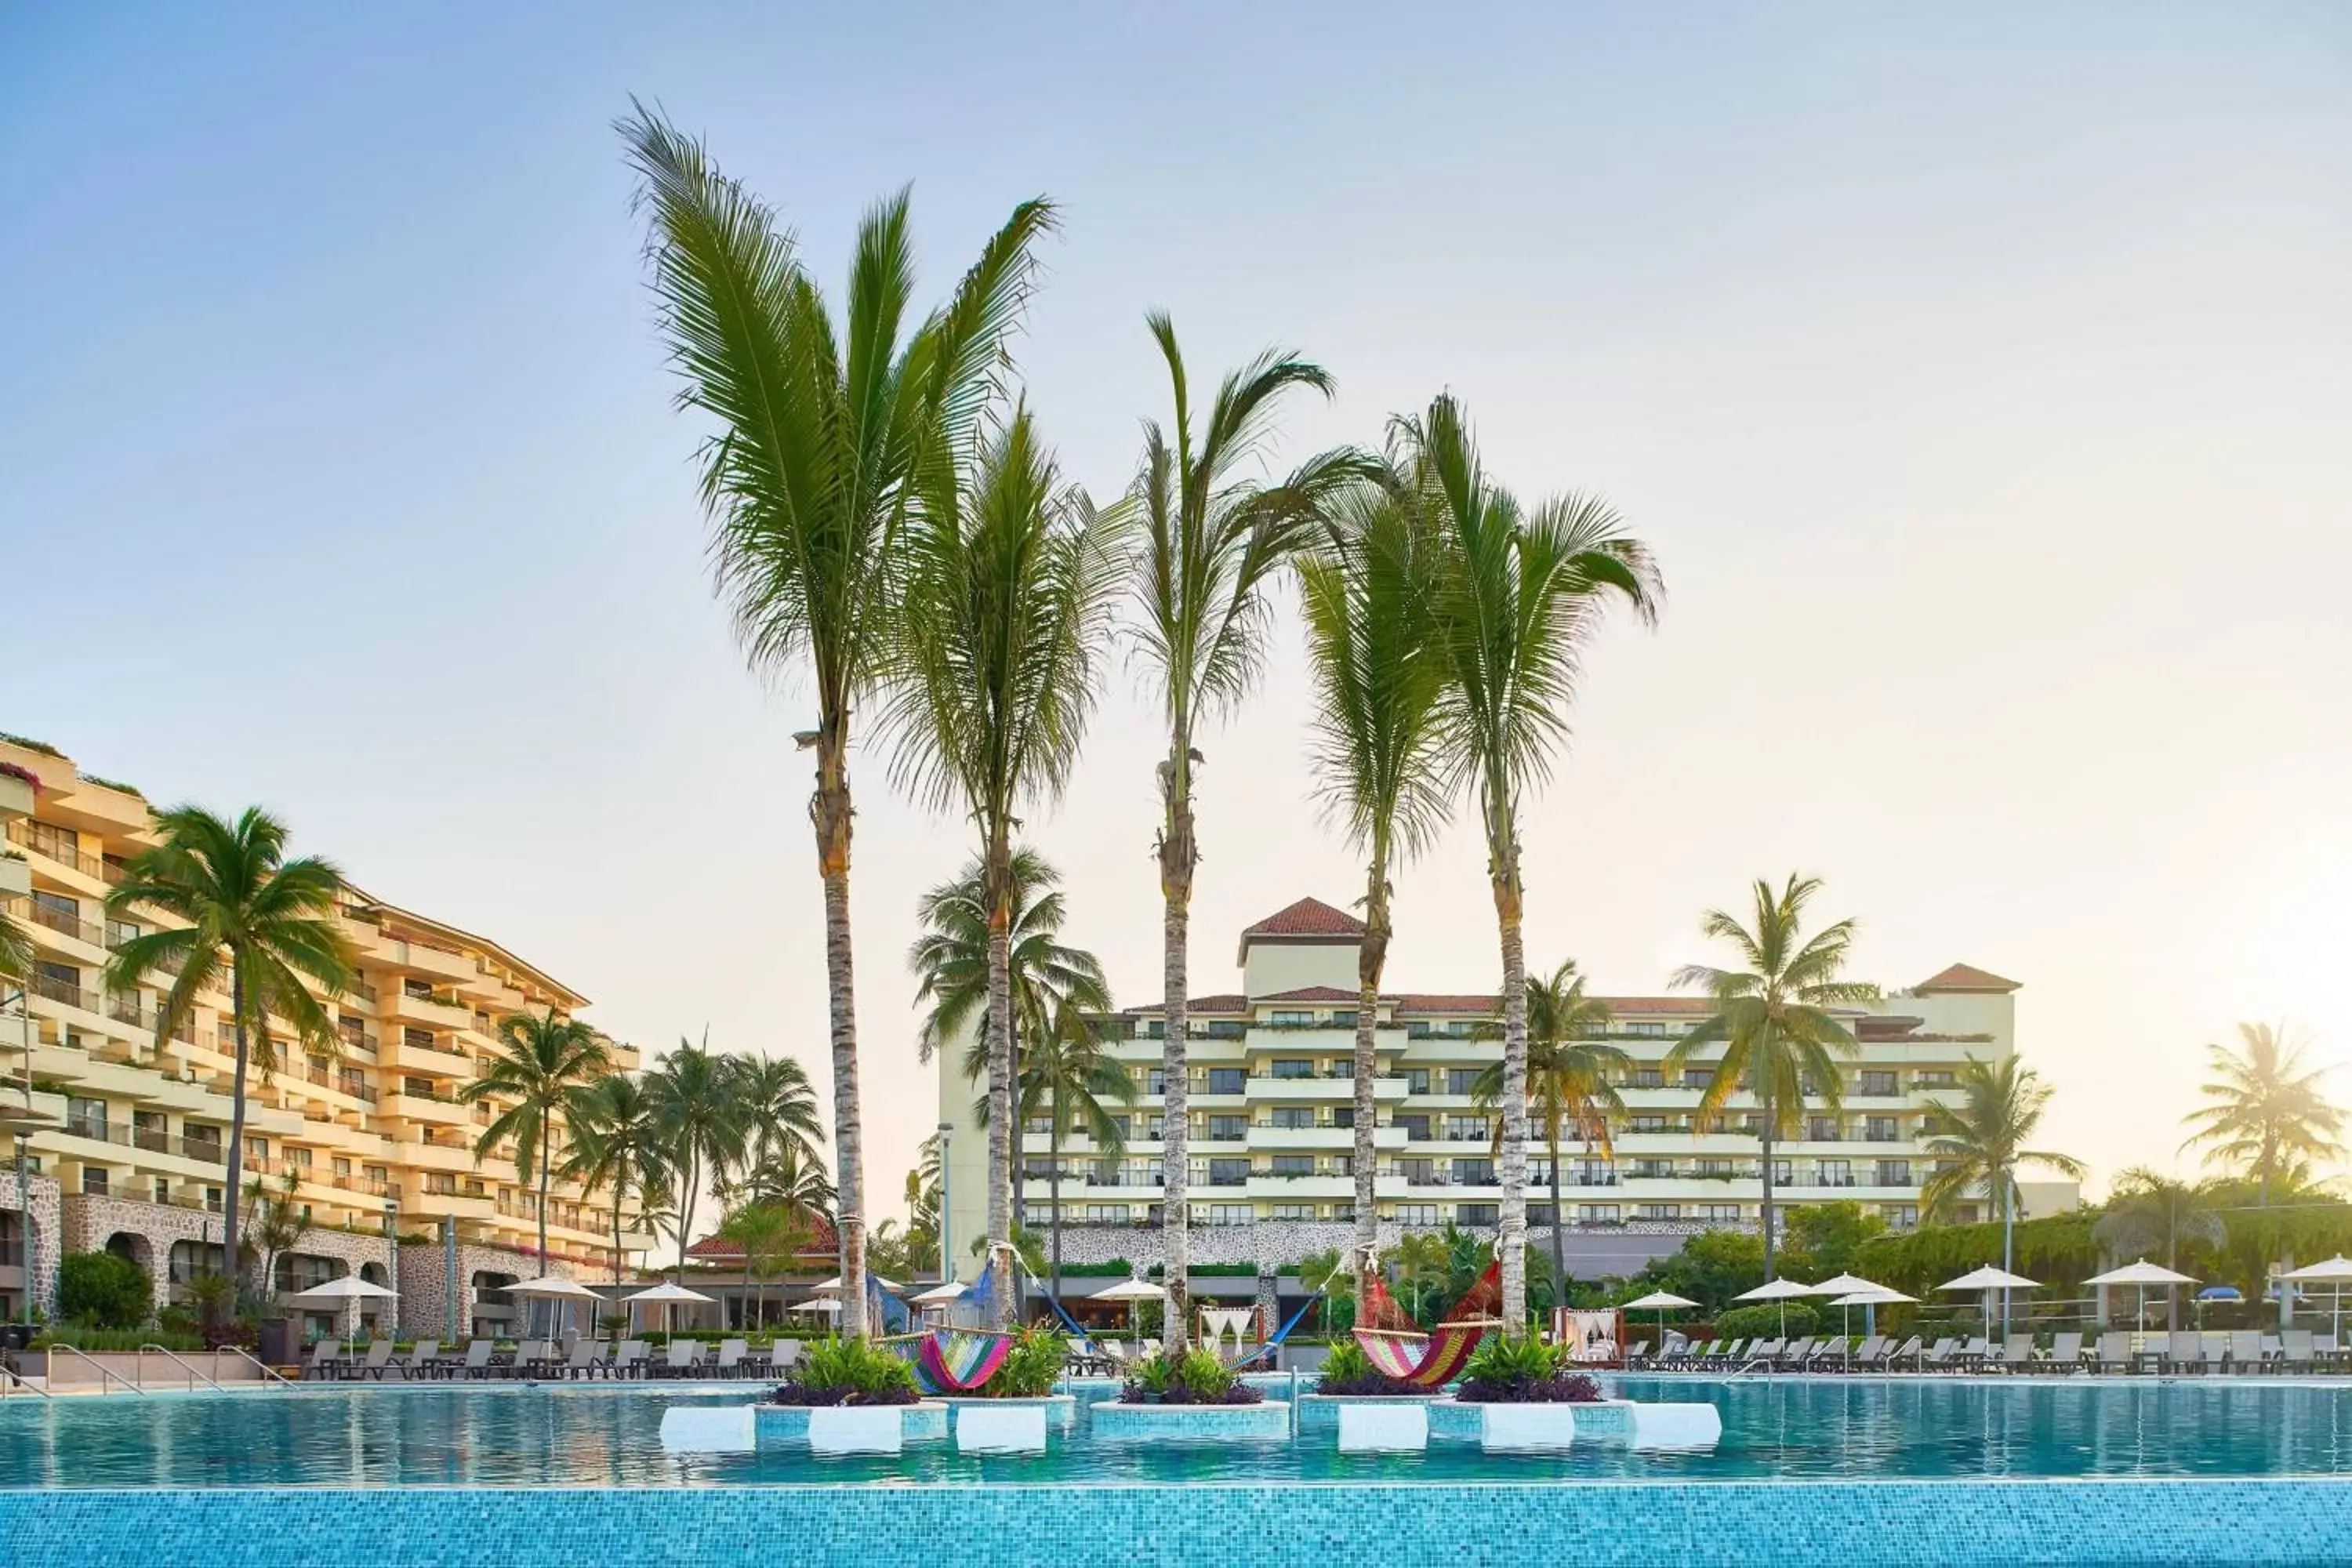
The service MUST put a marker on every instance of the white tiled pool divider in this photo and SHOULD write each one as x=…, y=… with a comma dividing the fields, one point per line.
x=706, y=1429
x=1676, y=1427
x=1383, y=1428
x=1061, y=1410
x=983, y=1429
x=1526, y=1428
x=1114, y=1421
x=856, y=1429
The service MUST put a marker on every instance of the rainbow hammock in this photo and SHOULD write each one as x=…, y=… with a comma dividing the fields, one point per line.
x=1433, y=1360
x=958, y=1360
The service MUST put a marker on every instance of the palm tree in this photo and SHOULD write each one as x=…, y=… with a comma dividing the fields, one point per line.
x=1067, y=1073
x=279, y=1222
x=1979, y=1144
x=541, y=1065
x=825, y=432
x=1521, y=594
x=769, y=1235
x=616, y=1144
x=2267, y=1112
x=691, y=1094
x=1366, y=593
x=242, y=905
x=1780, y=1042
x=2148, y=1210
x=950, y=957
x=1214, y=539
x=1568, y=1079
x=1422, y=1260
x=780, y=1112
x=792, y=1176
x=1010, y=583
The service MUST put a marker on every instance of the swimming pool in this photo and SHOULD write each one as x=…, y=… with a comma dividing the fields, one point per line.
x=1811, y=1471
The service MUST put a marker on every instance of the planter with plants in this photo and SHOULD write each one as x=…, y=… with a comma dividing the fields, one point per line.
x=1347, y=1379
x=1189, y=1395
x=837, y=1375
x=1519, y=1395
x=1032, y=1367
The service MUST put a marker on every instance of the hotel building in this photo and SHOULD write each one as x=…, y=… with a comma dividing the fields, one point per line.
x=376, y=1136
x=1272, y=1135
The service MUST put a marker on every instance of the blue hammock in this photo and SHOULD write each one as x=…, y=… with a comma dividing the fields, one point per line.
x=1266, y=1351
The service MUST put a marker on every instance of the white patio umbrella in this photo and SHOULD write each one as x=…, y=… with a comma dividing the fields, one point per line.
x=552, y=1288
x=826, y=1304
x=668, y=1295
x=1661, y=1302
x=1990, y=1279
x=833, y=1287
x=1876, y=1296
x=1779, y=1292
x=343, y=1294
x=939, y=1295
x=1131, y=1291
x=2141, y=1276
x=2335, y=1272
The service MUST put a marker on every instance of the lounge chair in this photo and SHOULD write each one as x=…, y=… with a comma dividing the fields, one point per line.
x=326, y=1361
x=2186, y=1351
x=1722, y=1354
x=2273, y=1353
x=2115, y=1351
x=1831, y=1354
x=418, y=1363
x=1867, y=1355
x=1637, y=1353
x=530, y=1358
x=2066, y=1353
x=1690, y=1353
x=1792, y=1356
x=2017, y=1353
x=1973, y=1355
x=730, y=1358
x=1762, y=1354
x=581, y=1362
x=2246, y=1350
x=1940, y=1358
x=783, y=1355
x=2324, y=1351
x=2299, y=1350
x=630, y=1361
x=683, y=1359
x=477, y=1357
x=379, y=1357
x=2216, y=1350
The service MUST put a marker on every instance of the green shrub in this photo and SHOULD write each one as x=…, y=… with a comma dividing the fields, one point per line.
x=1032, y=1367
x=1513, y=1358
x=1763, y=1320
x=97, y=1340
x=104, y=1290
x=852, y=1372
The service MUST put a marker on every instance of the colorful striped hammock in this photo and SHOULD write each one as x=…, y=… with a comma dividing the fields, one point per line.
x=1431, y=1363
x=959, y=1361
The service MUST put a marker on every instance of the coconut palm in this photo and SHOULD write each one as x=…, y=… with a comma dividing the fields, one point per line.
x=950, y=957
x=280, y=1219
x=2267, y=1112
x=1780, y=1042
x=1568, y=1079
x=691, y=1093
x=244, y=908
x=542, y=1065
x=1523, y=589
x=1010, y=579
x=790, y=1176
x=1979, y=1141
x=780, y=1112
x=15, y=951
x=768, y=1234
x=1422, y=1262
x=1367, y=592
x=617, y=1145
x=1214, y=539
x=825, y=430
x=1070, y=1080
x=2149, y=1212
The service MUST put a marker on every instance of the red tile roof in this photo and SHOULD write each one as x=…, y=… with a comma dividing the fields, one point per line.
x=1968, y=978
x=1419, y=1001
x=1312, y=993
x=1230, y=1001
x=1308, y=918
x=717, y=1250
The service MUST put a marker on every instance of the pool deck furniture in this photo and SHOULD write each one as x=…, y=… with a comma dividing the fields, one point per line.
x=631, y=1361
x=479, y=1351
x=680, y=1358
x=325, y=1362
x=379, y=1357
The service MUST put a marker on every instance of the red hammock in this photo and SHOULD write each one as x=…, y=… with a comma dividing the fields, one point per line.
x=1428, y=1361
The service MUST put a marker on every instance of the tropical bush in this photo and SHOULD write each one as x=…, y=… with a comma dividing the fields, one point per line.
x=104, y=1290
x=1347, y=1371
x=1764, y=1319
x=95, y=1340
x=1031, y=1368
x=1195, y=1377
x=1520, y=1369
x=847, y=1371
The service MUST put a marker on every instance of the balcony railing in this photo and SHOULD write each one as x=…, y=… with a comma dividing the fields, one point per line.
x=64, y=991
x=50, y=843
x=147, y=1138
x=67, y=924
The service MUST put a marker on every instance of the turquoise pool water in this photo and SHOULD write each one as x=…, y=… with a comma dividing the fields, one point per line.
x=596, y=1435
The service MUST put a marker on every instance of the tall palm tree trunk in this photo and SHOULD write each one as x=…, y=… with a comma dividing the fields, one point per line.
x=830, y=814
x=1003, y=1107
x=230, y=1265
x=542, y=1194
x=686, y=1208
x=1559, y=1222
x=1178, y=857
x=1510, y=1244
x=1053, y=1153
x=1371, y=960
x=1764, y=1139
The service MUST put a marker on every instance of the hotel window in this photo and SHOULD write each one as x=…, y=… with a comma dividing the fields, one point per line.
x=257, y=1148
x=1228, y=1129
x=1935, y=1078
x=1650, y=1170
x=1344, y=1213
x=1902, y=1217
x=1474, y=1172
x=1461, y=1080
x=1424, y=1214
x=1345, y=1020
x=1155, y=1028
x=1228, y=1172
x=1226, y=1214
x=1697, y=1078
x=1477, y=1213
x=1294, y=1211
x=441, y=1183
x=1292, y=1116
x=1155, y=1127
x=1293, y=1067
x=1893, y=1173
x=86, y=1118
x=1416, y=1127
x=1874, y=1083
x=422, y=1039
x=162, y=1189
x=1650, y=1124
x=418, y=989
x=1722, y=1213
x=1459, y=1028
x=1155, y=1081
x=1646, y=1078
x=1882, y=1130
x=1718, y=1169
x=1821, y=1130
x=1293, y=1165
x=1106, y=1214
x=1228, y=1080
x=1784, y=1173
x=420, y=1087
x=1418, y=1171
x=1540, y=1214
x=1343, y=1116
x=1657, y=1211
x=1041, y=1125
x=1468, y=1129
x=1289, y=1018
x=295, y=1156
x=1837, y=1173
x=1416, y=1080
x=93, y=1182
x=1652, y=1030
x=1600, y=1213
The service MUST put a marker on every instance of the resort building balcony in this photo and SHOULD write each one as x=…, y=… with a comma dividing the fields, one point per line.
x=431, y=1053
x=396, y=1005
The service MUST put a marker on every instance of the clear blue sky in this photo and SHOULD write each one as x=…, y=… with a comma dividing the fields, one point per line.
x=1980, y=377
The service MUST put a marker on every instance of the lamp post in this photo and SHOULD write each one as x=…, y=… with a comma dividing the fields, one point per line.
x=947, y=1253
x=392, y=1259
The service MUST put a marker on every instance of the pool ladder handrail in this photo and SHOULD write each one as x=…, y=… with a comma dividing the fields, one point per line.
x=266, y=1370
x=106, y=1374
x=9, y=1375
x=187, y=1367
